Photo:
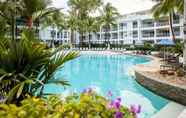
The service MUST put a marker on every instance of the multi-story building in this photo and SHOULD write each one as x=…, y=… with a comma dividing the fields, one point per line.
x=131, y=28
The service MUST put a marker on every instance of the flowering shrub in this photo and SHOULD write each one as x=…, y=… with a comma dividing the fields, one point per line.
x=86, y=105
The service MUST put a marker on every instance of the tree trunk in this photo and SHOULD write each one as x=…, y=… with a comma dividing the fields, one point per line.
x=171, y=26
x=13, y=27
x=184, y=51
x=89, y=45
x=109, y=37
x=29, y=22
x=72, y=38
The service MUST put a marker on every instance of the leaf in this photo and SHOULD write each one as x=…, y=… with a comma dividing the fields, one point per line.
x=19, y=92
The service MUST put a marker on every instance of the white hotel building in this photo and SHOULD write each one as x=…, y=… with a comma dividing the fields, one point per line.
x=131, y=28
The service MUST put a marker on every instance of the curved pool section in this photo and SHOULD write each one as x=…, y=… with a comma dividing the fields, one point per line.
x=109, y=73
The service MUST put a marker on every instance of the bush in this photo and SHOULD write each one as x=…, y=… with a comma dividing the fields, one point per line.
x=86, y=105
x=180, y=72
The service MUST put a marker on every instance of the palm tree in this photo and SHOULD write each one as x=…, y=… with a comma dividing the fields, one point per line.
x=36, y=10
x=55, y=20
x=72, y=21
x=9, y=11
x=184, y=51
x=27, y=66
x=167, y=7
x=109, y=19
x=92, y=26
x=82, y=10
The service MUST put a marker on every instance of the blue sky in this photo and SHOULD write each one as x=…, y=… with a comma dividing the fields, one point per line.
x=123, y=6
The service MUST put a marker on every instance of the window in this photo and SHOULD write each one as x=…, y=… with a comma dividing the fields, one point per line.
x=52, y=33
x=58, y=34
x=176, y=31
x=135, y=34
x=121, y=26
x=114, y=28
x=114, y=35
x=135, y=24
x=65, y=34
x=121, y=35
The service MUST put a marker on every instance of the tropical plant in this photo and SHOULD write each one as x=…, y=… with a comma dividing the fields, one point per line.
x=26, y=66
x=168, y=8
x=54, y=20
x=9, y=11
x=109, y=15
x=92, y=26
x=86, y=105
x=82, y=10
x=72, y=21
x=184, y=49
x=165, y=7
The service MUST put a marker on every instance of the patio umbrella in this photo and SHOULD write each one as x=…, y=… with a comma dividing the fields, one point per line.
x=166, y=42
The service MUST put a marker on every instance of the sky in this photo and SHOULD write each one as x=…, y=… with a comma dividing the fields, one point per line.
x=123, y=6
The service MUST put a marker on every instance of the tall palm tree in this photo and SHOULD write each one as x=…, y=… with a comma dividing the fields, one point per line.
x=9, y=12
x=169, y=8
x=109, y=19
x=92, y=26
x=83, y=9
x=184, y=51
x=36, y=10
x=72, y=21
x=55, y=20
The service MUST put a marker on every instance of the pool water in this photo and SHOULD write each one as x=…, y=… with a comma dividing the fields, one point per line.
x=109, y=73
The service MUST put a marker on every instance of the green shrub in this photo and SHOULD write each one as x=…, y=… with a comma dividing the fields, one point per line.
x=180, y=72
x=86, y=105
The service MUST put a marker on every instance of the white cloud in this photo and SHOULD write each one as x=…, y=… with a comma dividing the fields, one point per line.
x=123, y=6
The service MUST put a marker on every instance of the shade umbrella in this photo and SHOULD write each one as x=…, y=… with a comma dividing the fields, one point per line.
x=166, y=42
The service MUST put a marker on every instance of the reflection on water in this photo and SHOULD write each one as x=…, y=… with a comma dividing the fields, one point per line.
x=109, y=73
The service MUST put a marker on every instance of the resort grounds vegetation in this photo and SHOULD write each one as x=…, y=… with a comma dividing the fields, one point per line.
x=27, y=64
x=85, y=105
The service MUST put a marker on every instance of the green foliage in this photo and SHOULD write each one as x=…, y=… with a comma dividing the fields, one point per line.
x=178, y=48
x=85, y=105
x=180, y=72
x=26, y=66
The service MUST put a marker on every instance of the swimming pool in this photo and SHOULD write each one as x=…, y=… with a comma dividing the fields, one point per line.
x=109, y=73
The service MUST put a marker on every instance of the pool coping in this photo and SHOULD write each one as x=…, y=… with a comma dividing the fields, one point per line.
x=170, y=91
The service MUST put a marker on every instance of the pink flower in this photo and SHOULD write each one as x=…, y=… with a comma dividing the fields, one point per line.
x=118, y=115
x=135, y=109
x=109, y=94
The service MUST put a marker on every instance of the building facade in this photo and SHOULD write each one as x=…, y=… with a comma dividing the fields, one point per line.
x=133, y=28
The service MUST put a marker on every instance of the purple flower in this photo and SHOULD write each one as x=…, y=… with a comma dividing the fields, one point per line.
x=109, y=94
x=111, y=105
x=117, y=104
x=135, y=109
x=88, y=90
x=118, y=114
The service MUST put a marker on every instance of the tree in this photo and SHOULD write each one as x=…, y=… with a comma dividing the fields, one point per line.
x=92, y=26
x=9, y=11
x=168, y=7
x=82, y=10
x=55, y=20
x=109, y=19
x=72, y=21
x=184, y=51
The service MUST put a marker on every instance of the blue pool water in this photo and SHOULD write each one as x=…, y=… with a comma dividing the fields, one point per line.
x=109, y=73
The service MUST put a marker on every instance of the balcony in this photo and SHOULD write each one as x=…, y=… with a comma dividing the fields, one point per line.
x=147, y=23
x=148, y=34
